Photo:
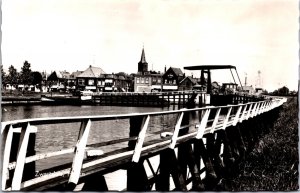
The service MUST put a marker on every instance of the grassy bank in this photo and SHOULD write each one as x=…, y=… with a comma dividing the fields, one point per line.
x=273, y=164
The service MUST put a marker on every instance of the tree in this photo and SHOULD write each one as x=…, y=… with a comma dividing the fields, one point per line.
x=3, y=76
x=12, y=77
x=26, y=77
x=284, y=91
x=36, y=78
x=275, y=92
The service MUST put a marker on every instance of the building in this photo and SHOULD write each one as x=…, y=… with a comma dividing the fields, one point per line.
x=171, y=79
x=248, y=90
x=187, y=83
x=147, y=82
x=55, y=82
x=229, y=88
x=88, y=79
x=144, y=80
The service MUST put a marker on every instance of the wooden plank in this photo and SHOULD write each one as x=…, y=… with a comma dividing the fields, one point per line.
x=227, y=118
x=176, y=131
x=249, y=111
x=79, y=151
x=262, y=110
x=258, y=108
x=215, y=120
x=24, y=139
x=116, y=141
x=41, y=156
x=6, y=155
x=56, y=120
x=236, y=118
x=254, y=110
x=140, y=140
x=243, y=113
x=203, y=124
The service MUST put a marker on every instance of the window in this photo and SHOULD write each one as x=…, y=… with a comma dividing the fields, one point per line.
x=100, y=82
x=143, y=80
x=81, y=82
x=91, y=82
x=154, y=80
x=174, y=81
x=147, y=80
x=138, y=80
x=158, y=80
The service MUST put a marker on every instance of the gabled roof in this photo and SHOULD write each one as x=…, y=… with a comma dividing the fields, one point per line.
x=91, y=72
x=53, y=76
x=75, y=74
x=189, y=79
x=177, y=71
x=64, y=74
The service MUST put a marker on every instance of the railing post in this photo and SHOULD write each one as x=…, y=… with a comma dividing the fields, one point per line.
x=79, y=153
x=20, y=163
x=176, y=131
x=7, y=136
x=137, y=179
x=140, y=140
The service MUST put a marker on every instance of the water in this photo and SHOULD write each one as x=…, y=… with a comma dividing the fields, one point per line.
x=62, y=136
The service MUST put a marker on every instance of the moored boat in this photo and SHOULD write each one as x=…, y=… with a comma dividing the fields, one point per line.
x=66, y=100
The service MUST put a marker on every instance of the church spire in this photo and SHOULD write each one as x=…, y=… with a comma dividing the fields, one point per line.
x=143, y=65
x=143, y=57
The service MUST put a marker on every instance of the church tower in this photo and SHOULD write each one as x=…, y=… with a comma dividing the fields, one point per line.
x=143, y=65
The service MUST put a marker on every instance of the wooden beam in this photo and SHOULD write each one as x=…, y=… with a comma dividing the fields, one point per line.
x=203, y=124
x=176, y=131
x=227, y=118
x=79, y=151
x=24, y=139
x=140, y=140
x=6, y=154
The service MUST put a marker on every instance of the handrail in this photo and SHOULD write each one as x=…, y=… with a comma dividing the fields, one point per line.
x=235, y=114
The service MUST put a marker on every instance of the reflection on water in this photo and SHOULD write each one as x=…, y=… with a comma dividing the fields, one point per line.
x=61, y=136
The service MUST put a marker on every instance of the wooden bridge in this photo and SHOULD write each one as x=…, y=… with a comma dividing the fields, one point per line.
x=192, y=150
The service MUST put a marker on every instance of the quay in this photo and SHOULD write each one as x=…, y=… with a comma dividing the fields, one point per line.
x=195, y=149
x=19, y=100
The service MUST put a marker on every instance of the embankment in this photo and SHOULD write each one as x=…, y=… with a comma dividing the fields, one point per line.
x=273, y=164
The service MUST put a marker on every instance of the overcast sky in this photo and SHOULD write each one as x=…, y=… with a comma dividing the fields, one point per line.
x=70, y=35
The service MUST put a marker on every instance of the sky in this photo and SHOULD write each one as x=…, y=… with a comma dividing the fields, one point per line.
x=253, y=35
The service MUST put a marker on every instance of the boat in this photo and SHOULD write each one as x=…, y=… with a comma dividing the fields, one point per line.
x=84, y=98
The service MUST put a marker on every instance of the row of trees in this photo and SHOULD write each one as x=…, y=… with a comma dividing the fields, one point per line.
x=283, y=91
x=25, y=76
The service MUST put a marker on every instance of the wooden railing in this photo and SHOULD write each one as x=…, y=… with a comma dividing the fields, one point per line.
x=89, y=159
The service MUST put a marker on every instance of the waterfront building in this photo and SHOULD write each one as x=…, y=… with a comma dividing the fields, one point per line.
x=187, y=83
x=119, y=82
x=144, y=80
x=171, y=79
x=248, y=90
x=88, y=79
x=229, y=88
x=55, y=82
x=147, y=82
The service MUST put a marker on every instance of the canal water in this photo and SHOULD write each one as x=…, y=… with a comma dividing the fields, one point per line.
x=62, y=136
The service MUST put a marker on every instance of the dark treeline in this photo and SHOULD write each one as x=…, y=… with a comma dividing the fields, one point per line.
x=26, y=76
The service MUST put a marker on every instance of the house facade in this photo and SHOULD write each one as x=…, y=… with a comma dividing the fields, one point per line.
x=144, y=80
x=186, y=84
x=88, y=79
x=171, y=79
